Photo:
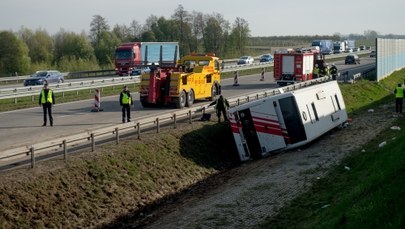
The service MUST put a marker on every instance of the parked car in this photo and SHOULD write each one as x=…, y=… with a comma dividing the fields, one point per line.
x=352, y=59
x=362, y=47
x=356, y=49
x=44, y=77
x=139, y=71
x=246, y=60
x=266, y=58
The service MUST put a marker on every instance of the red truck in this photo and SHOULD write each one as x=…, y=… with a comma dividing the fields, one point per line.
x=297, y=65
x=130, y=58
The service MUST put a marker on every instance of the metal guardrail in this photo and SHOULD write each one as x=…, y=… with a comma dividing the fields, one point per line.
x=63, y=144
x=14, y=93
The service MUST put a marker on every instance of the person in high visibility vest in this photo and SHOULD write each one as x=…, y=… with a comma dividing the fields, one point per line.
x=47, y=100
x=126, y=101
x=315, y=72
x=399, y=98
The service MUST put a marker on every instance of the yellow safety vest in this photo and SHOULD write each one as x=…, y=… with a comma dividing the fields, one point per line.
x=48, y=99
x=316, y=71
x=400, y=92
x=126, y=99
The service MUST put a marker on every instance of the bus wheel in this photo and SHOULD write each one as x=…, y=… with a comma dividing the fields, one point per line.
x=190, y=98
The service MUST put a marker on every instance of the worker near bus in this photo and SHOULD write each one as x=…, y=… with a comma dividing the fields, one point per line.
x=47, y=100
x=326, y=70
x=221, y=106
x=333, y=71
x=399, y=98
x=126, y=101
x=316, y=72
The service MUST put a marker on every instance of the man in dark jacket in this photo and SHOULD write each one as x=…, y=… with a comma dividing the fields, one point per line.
x=221, y=105
x=47, y=100
x=334, y=71
x=126, y=101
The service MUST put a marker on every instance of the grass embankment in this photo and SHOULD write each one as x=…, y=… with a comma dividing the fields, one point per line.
x=116, y=183
x=367, y=193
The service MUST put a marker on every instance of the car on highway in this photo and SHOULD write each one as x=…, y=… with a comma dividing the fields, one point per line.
x=266, y=58
x=139, y=71
x=356, y=49
x=246, y=60
x=44, y=77
x=352, y=59
x=362, y=47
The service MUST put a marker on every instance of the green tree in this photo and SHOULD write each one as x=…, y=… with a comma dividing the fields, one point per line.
x=105, y=50
x=135, y=31
x=215, y=34
x=13, y=54
x=240, y=34
x=98, y=26
x=182, y=19
x=40, y=45
x=197, y=28
x=69, y=44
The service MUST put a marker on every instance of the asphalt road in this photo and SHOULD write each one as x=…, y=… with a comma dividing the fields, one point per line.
x=24, y=127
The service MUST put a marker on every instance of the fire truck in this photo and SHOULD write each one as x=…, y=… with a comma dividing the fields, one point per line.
x=181, y=82
x=286, y=120
x=297, y=65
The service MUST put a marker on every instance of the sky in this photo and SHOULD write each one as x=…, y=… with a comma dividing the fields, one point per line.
x=265, y=17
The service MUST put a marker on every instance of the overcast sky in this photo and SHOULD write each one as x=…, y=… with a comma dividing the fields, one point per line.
x=265, y=17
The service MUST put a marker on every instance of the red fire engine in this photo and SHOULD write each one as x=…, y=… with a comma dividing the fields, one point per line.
x=297, y=65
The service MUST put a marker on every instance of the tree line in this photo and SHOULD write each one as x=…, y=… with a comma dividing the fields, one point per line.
x=25, y=51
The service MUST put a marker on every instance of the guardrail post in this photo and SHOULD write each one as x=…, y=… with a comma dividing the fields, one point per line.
x=65, y=150
x=32, y=157
x=77, y=92
x=157, y=125
x=33, y=98
x=174, y=121
x=238, y=102
x=15, y=100
x=63, y=94
x=138, y=126
x=93, y=142
x=190, y=118
x=117, y=136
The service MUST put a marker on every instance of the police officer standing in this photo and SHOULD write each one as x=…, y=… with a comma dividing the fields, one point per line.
x=47, y=100
x=126, y=102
